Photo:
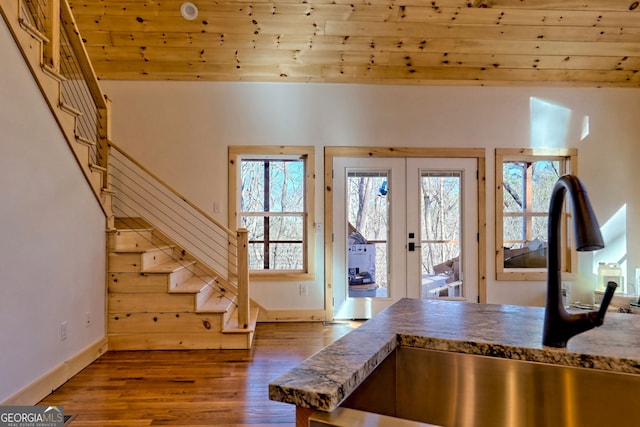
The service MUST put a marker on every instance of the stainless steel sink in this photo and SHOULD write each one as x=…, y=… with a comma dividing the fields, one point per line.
x=455, y=389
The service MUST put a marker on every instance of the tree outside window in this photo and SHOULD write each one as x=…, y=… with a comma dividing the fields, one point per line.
x=525, y=181
x=272, y=210
x=441, y=210
x=273, y=196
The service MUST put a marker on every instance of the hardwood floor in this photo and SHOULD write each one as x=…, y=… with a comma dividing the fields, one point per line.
x=195, y=387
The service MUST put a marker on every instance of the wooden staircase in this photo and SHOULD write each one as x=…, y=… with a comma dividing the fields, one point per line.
x=161, y=299
x=158, y=296
x=37, y=49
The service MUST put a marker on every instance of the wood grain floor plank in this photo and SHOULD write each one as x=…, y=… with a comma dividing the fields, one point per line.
x=194, y=387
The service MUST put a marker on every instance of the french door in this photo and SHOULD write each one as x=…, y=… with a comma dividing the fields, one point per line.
x=403, y=227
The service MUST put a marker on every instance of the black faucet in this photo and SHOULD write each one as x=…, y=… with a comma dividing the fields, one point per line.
x=559, y=325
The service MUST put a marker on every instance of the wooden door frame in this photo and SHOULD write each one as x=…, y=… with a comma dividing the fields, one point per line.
x=369, y=152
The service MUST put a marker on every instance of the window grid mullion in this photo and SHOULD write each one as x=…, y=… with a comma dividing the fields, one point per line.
x=267, y=208
x=278, y=182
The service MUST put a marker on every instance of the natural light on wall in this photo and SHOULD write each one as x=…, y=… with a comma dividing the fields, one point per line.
x=549, y=124
x=614, y=233
x=585, y=128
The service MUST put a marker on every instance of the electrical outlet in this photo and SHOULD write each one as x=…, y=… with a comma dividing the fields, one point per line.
x=63, y=331
x=303, y=290
x=87, y=319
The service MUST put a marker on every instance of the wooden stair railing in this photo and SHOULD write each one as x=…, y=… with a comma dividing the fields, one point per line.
x=138, y=192
x=161, y=298
x=47, y=35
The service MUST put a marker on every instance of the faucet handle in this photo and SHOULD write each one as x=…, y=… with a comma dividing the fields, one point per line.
x=606, y=299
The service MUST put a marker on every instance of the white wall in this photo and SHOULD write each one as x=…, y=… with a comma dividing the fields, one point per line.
x=181, y=130
x=52, y=257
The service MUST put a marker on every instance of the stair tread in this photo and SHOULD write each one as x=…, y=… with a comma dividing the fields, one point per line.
x=232, y=325
x=187, y=288
x=85, y=141
x=217, y=303
x=97, y=167
x=143, y=248
x=134, y=230
x=193, y=285
x=169, y=267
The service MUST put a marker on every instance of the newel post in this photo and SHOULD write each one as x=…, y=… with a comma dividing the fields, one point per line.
x=243, y=278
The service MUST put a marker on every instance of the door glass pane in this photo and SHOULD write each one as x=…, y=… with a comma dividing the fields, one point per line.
x=440, y=241
x=367, y=229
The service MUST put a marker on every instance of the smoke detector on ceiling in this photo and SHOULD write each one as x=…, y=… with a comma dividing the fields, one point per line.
x=189, y=11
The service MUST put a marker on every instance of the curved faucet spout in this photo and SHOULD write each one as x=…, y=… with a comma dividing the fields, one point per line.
x=559, y=325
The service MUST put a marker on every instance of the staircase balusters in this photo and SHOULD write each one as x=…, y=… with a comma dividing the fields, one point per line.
x=64, y=57
x=139, y=193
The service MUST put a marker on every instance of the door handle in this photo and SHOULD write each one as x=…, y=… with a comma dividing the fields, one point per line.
x=412, y=247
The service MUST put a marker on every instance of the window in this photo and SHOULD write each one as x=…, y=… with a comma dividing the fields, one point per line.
x=272, y=209
x=273, y=192
x=524, y=183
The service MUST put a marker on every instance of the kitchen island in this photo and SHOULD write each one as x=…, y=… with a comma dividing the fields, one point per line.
x=324, y=380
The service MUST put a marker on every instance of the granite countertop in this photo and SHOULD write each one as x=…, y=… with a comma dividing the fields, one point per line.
x=514, y=332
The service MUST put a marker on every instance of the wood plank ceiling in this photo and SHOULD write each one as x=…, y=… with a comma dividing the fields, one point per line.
x=469, y=42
